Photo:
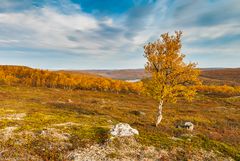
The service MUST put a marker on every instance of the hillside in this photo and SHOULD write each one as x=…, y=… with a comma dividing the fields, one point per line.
x=58, y=124
x=229, y=76
x=62, y=115
x=124, y=74
x=210, y=76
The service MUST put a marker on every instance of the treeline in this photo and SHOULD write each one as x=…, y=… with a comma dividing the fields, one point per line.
x=20, y=75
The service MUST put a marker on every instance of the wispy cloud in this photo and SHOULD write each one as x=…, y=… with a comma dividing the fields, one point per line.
x=114, y=39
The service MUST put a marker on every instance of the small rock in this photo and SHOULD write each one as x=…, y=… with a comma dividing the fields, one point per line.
x=187, y=135
x=123, y=129
x=187, y=125
x=138, y=113
x=60, y=102
x=142, y=113
x=176, y=139
x=70, y=101
x=110, y=121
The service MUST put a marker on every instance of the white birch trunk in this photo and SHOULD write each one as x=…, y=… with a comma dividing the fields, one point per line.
x=159, y=113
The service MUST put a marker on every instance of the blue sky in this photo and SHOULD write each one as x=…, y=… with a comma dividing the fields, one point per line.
x=110, y=34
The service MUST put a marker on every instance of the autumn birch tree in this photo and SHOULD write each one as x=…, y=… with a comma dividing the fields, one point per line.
x=171, y=78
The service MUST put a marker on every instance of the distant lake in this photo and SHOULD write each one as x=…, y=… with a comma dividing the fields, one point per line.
x=133, y=80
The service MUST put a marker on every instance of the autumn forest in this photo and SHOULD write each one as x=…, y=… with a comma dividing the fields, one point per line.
x=20, y=75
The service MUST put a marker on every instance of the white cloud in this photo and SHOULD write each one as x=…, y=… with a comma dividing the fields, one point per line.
x=211, y=32
x=5, y=4
x=71, y=31
x=75, y=33
x=47, y=28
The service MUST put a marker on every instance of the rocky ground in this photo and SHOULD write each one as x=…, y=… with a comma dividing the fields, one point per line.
x=122, y=149
x=120, y=146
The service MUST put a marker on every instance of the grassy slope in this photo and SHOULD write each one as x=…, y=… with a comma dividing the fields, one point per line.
x=217, y=121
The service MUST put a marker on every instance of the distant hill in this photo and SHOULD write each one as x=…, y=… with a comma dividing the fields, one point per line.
x=215, y=76
x=229, y=76
x=124, y=74
x=209, y=76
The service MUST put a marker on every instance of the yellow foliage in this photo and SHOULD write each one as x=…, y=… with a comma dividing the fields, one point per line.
x=18, y=75
x=170, y=76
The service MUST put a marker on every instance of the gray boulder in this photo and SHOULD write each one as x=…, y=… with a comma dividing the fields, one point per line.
x=123, y=129
x=187, y=125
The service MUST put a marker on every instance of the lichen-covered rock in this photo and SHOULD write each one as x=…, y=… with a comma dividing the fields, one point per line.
x=123, y=129
x=187, y=125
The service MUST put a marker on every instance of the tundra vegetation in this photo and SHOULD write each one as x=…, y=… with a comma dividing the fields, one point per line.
x=41, y=123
